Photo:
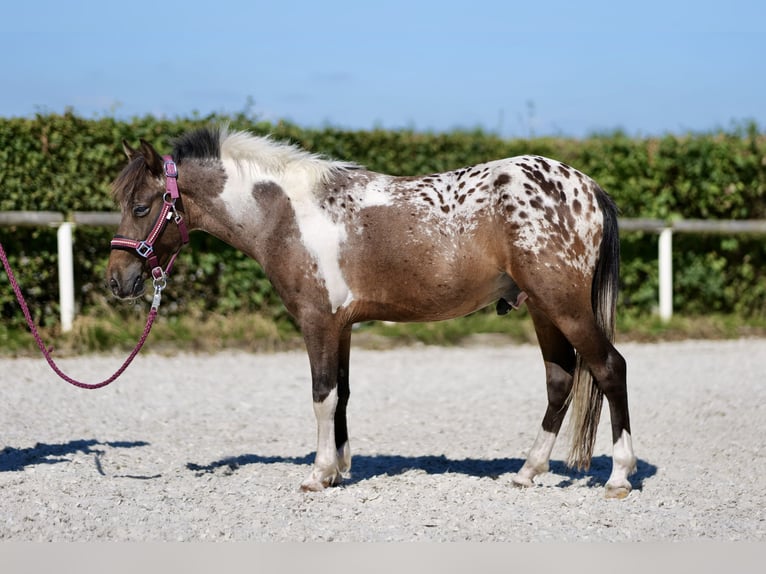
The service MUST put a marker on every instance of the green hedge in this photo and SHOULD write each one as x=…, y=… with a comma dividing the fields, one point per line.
x=66, y=163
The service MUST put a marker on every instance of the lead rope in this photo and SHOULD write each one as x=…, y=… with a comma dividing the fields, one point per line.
x=158, y=286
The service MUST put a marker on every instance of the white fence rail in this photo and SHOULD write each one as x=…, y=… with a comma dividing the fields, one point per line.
x=664, y=229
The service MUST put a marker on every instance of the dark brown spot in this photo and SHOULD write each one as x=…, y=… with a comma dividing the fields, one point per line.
x=445, y=208
x=577, y=206
x=523, y=214
x=266, y=190
x=502, y=179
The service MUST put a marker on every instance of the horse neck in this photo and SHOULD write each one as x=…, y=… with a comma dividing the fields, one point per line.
x=220, y=199
x=201, y=185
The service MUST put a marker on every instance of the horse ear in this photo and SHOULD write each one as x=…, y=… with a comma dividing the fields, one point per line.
x=129, y=151
x=153, y=160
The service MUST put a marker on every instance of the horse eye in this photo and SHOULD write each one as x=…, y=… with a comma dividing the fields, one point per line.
x=140, y=210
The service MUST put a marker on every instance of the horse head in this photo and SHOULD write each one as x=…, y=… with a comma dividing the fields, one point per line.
x=146, y=191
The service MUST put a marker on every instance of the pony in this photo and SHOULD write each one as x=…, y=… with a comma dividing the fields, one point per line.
x=342, y=244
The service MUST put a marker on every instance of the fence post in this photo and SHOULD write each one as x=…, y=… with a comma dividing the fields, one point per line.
x=665, y=257
x=66, y=275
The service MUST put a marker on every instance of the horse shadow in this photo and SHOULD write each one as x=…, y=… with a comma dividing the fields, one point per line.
x=366, y=467
x=16, y=459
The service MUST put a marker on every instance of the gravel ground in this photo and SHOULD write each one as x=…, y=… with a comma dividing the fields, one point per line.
x=213, y=447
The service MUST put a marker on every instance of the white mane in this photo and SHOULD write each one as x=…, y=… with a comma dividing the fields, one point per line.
x=277, y=158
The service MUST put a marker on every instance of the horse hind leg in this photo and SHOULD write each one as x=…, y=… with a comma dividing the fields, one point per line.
x=600, y=372
x=559, y=357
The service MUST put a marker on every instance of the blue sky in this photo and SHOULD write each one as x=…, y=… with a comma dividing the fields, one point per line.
x=514, y=68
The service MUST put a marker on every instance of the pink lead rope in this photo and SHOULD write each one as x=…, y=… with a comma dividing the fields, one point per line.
x=46, y=352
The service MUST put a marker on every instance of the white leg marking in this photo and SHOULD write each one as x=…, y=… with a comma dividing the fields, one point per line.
x=344, y=457
x=537, y=460
x=623, y=464
x=326, y=471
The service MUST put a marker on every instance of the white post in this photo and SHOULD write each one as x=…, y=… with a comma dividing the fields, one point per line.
x=66, y=275
x=666, y=273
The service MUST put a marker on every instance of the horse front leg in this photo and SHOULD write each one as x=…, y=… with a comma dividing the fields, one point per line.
x=341, y=426
x=323, y=344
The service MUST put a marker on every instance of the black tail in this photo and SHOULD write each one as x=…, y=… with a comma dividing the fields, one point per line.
x=586, y=398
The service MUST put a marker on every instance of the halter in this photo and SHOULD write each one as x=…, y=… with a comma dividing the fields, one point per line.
x=145, y=248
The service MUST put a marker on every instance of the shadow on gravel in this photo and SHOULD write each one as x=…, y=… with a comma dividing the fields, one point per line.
x=365, y=467
x=598, y=473
x=14, y=459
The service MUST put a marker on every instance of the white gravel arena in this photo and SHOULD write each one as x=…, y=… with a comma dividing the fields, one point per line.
x=214, y=447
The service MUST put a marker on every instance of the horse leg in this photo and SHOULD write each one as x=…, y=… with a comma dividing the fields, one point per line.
x=559, y=358
x=609, y=372
x=608, y=368
x=599, y=371
x=323, y=344
x=341, y=426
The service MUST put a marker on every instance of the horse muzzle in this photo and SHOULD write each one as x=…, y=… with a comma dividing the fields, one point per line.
x=128, y=284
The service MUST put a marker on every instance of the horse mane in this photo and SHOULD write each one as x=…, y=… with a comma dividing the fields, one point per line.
x=263, y=153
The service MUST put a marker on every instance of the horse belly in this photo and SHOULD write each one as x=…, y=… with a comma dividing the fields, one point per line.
x=414, y=278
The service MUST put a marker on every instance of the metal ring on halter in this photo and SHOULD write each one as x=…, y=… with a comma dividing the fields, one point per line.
x=160, y=279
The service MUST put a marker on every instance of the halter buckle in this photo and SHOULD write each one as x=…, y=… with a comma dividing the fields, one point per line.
x=144, y=249
x=170, y=169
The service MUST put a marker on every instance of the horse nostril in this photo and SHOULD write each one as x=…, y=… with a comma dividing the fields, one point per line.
x=114, y=285
x=138, y=286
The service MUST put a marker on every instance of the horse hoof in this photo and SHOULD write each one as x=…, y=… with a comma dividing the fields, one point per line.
x=522, y=481
x=311, y=486
x=314, y=484
x=616, y=491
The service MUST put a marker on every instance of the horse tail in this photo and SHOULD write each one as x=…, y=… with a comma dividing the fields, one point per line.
x=586, y=397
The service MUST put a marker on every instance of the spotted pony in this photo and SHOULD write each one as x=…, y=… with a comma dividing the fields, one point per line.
x=342, y=244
